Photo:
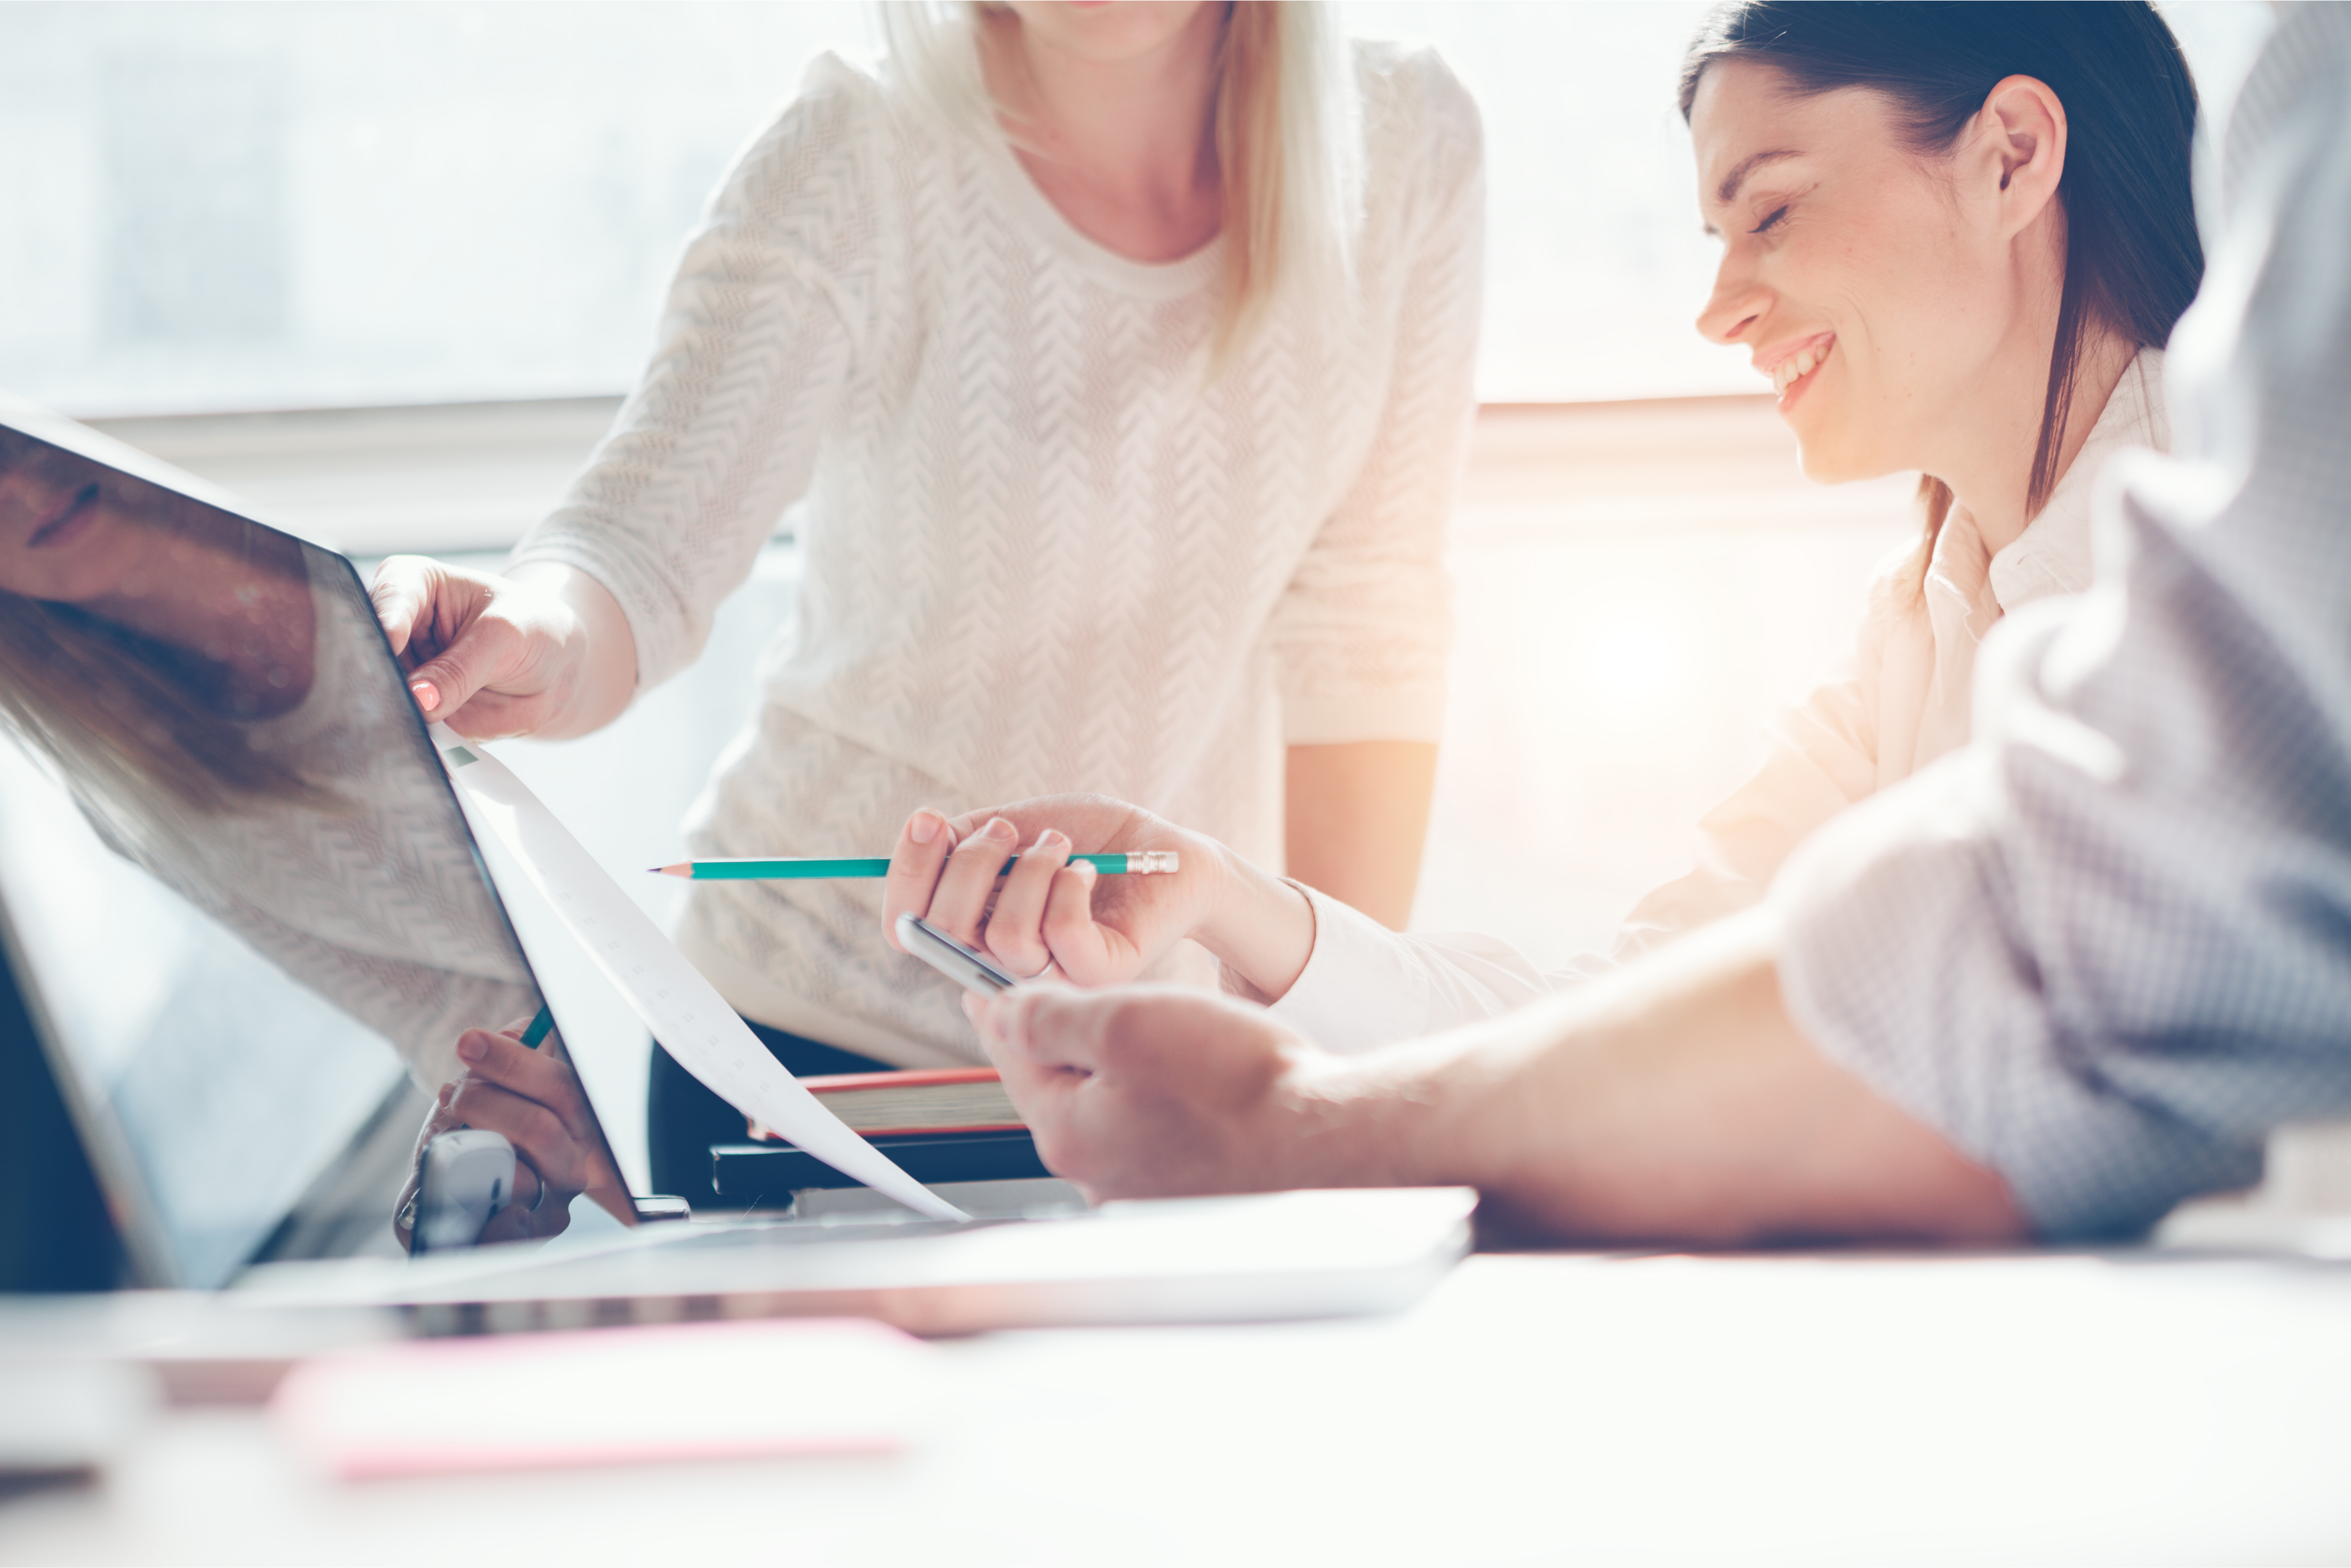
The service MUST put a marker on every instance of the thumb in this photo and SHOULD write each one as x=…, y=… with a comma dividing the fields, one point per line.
x=1048, y=1029
x=485, y=653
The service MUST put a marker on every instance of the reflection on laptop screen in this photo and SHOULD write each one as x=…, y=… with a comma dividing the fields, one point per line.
x=238, y=896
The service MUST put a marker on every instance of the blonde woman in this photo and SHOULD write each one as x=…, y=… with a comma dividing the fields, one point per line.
x=1121, y=355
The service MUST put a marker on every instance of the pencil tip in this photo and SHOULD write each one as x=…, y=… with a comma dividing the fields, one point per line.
x=682, y=868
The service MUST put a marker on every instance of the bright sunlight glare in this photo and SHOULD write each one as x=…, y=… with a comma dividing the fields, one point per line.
x=1629, y=659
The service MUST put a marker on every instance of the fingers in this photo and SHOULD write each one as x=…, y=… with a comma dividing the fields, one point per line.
x=1043, y=1080
x=440, y=622
x=1083, y=948
x=400, y=593
x=1044, y=1029
x=538, y=1134
x=914, y=865
x=960, y=899
x=524, y=1210
x=503, y=1061
x=485, y=651
x=943, y=870
x=1151, y=1090
x=1014, y=927
x=527, y=1186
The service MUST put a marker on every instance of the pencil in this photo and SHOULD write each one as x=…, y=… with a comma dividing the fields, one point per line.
x=1141, y=863
x=540, y=1023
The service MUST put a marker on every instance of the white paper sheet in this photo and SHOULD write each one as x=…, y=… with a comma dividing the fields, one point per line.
x=683, y=1011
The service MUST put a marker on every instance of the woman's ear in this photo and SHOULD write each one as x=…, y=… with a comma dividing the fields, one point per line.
x=2022, y=132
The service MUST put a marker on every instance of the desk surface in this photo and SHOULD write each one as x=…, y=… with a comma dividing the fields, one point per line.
x=2128, y=1408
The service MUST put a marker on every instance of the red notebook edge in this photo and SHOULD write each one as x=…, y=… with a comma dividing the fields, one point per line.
x=912, y=1078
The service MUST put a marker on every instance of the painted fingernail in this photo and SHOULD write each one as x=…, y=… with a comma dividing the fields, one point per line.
x=925, y=826
x=427, y=695
x=472, y=1047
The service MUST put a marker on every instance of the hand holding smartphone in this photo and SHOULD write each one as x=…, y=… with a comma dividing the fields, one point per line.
x=972, y=971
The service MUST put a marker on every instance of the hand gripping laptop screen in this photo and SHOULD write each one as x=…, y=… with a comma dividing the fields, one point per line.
x=240, y=899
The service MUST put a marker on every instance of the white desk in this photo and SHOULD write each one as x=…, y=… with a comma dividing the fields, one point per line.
x=2135, y=1409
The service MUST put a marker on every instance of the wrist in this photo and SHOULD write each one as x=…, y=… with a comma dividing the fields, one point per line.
x=1259, y=927
x=1447, y=1110
x=593, y=653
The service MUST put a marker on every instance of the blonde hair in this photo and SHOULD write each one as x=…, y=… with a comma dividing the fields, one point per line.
x=118, y=725
x=1288, y=140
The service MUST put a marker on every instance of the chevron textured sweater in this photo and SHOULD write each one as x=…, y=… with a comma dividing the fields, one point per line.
x=1039, y=551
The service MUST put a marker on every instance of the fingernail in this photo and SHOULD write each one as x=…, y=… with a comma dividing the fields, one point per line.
x=427, y=696
x=472, y=1047
x=926, y=827
x=448, y=1093
x=1089, y=870
x=1053, y=838
x=997, y=827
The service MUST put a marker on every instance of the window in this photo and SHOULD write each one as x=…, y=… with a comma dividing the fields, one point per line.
x=231, y=206
x=223, y=206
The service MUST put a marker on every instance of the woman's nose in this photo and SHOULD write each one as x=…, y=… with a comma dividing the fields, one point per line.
x=1736, y=303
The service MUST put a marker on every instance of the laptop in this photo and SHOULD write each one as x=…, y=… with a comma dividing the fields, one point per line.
x=246, y=919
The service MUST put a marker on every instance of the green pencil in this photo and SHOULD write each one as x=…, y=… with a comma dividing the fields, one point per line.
x=1141, y=863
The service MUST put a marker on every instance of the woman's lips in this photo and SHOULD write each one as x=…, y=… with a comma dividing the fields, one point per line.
x=1795, y=370
x=71, y=524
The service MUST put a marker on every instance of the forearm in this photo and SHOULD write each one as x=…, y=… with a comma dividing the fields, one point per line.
x=601, y=669
x=1355, y=817
x=1677, y=1102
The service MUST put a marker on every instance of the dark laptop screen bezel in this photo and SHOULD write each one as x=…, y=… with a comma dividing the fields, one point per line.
x=103, y=1140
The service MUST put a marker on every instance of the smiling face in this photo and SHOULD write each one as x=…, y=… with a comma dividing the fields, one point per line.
x=1879, y=289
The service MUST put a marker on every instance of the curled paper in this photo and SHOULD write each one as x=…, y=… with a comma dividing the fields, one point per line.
x=683, y=1010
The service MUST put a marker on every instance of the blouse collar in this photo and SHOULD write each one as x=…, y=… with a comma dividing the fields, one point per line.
x=2052, y=556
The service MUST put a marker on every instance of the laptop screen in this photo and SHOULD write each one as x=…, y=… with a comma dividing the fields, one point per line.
x=240, y=899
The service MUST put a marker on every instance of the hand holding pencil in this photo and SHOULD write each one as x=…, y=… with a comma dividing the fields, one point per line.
x=1012, y=882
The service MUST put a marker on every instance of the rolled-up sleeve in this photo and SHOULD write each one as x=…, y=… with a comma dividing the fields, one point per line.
x=1360, y=636
x=2107, y=948
x=1366, y=985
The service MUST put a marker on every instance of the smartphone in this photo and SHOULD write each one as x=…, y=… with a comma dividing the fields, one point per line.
x=469, y=1175
x=972, y=971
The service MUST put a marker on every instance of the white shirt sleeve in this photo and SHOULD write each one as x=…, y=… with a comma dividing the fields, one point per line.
x=758, y=337
x=1366, y=985
x=1360, y=637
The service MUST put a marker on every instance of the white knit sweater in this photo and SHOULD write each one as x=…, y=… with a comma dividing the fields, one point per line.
x=1038, y=554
